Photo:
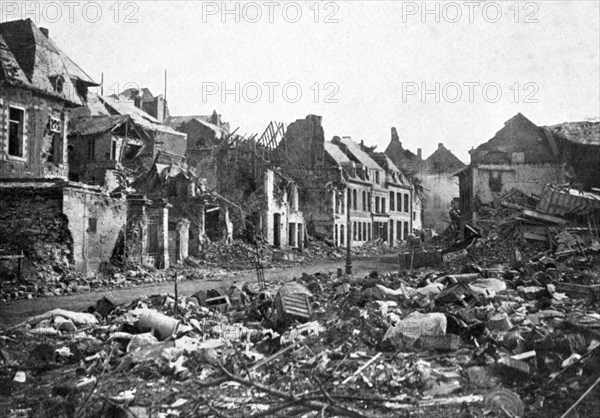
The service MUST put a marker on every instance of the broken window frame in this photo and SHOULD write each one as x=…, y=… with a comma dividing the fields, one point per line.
x=20, y=133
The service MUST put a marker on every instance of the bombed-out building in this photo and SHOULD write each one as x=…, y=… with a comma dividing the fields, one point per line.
x=528, y=157
x=44, y=216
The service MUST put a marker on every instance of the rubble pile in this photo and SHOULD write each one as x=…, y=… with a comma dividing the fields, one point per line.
x=46, y=280
x=513, y=227
x=490, y=342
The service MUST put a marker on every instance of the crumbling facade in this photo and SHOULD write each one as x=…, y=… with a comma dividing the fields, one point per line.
x=147, y=232
x=60, y=223
x=204, y=135
x=39, y=84
x=340, y=175
x=521, y=155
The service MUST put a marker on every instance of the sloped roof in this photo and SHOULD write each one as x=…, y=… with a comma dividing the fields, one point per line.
x=362, y=157
x=519, y=134
x=97, y=124
x=176, y=121
x=29, y=59
x=10, y=68
x=448, y=162
x=137, y=115
x=336, y=153
x=584, y=133
x=386, y=163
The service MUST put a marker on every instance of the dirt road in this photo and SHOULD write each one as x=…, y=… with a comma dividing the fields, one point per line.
x=14, y=312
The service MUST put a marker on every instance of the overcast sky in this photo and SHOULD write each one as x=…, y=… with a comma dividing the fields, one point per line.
x=365, y=64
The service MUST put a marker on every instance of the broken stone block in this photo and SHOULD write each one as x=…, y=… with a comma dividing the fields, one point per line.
x=104, y=306
x=514, y=369
x=499, y=322
x=141, y=340
x=447, y=342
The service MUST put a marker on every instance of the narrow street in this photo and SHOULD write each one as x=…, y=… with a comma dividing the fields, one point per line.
x=14, y=312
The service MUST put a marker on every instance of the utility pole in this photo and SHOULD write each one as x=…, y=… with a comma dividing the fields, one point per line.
x=349, y=230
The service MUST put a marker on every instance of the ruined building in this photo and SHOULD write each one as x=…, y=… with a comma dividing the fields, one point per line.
x=527, y=157
x=402, y=210
x=268, y=200
x=110, y=138
x=338, y=176
x=204, y=135
x=39, y=86
x=52, y=221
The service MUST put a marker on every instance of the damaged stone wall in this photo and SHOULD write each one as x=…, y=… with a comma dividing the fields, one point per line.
x=61, y=225
x=168, y=142
x=44, y=151
x=492, y=180
x=31, y=221
x=95, y=221
x=147, y=232
x=89, y=163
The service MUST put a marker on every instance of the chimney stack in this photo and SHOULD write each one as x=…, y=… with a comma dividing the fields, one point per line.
x=419, y=153
x=46, y=32
x=440, y=145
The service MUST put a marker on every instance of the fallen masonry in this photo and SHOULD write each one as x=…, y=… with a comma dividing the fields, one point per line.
x=500, y=342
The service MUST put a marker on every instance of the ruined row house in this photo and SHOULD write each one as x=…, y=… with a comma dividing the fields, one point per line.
x=528, y=157
x=338, y=176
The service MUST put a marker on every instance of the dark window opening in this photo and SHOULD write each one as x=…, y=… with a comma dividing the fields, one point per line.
x=113, y=150
x=406, y=203
x=55, y=151
x=91, y=149
x=15, y=132
x=495, y=181
x=131, y=151
x=92, y=225
x=59, y=84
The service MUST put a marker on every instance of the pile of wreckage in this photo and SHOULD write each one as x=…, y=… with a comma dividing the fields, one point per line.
x=561, y=223
x=502, y=341
x=46, y=280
